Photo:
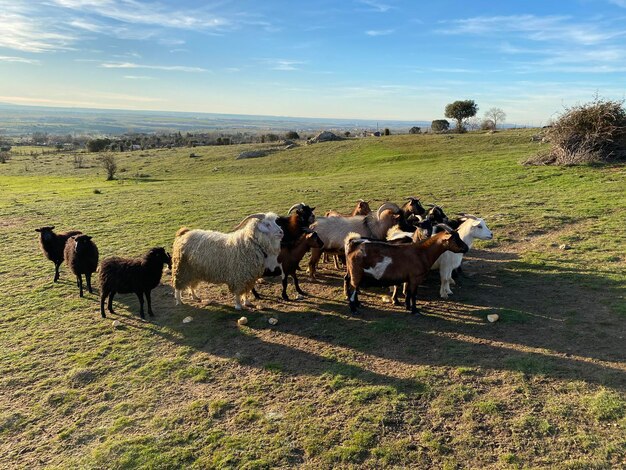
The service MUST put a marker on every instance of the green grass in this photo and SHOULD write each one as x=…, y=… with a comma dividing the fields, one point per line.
x=541, y=388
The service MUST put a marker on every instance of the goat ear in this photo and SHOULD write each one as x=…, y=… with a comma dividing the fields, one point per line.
x=38, y=230
x=312, y=208
x=89, y=237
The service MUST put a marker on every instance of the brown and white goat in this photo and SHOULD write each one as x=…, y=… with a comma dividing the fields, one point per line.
x=377, y=263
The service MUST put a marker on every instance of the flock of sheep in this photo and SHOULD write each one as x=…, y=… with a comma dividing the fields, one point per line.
x=395, y=247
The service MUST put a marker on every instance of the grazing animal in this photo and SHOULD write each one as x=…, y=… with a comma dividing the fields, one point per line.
x=362, y=208
x=296, y=223
x=81, y=255
x=333, y=230
x=53, y=244
x=132, y=275
x=377, y=263
x=290, y=259
x=471, y=228
x=236, y=259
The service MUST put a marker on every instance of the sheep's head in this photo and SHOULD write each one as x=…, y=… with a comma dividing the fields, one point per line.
x=451, y=239
x=46, y=233
x=266, y=224
x=162, y=256
x=413, y=206
x=305, y=214
x=82, y=243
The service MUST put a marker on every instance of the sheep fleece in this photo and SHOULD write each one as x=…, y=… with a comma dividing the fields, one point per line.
x=234, y=259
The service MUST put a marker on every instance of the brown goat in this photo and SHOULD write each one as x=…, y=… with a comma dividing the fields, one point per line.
x=374, y=263
x=290, y=259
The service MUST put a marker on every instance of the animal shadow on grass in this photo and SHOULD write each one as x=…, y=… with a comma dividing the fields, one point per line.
x=549, y=326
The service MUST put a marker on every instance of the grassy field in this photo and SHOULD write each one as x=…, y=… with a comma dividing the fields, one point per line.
x=542, y=388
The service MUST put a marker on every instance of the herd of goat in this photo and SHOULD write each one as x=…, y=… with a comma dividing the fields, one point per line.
x=394, y=247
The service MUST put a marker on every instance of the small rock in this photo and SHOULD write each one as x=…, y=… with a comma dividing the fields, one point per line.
x=116, y=323
x=493, y=317
x=386, y=299
x=187, y=319
x=272, y=321
x=565, y=247
x=299, y=297
x=242, y=321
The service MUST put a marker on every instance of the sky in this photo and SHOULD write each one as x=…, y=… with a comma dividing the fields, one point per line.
x=365, y=59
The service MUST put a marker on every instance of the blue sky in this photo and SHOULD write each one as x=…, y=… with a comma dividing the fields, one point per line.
x=344, y=59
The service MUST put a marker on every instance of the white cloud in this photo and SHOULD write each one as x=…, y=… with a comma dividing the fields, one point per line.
x=376, y=6
x=379, y=32
x=132, y=65
x=283, y=64
x=535, y=28
x=23, y=60
x=31, y=34
x=138, y=77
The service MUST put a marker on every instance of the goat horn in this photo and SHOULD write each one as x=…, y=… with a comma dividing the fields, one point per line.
x=259, y=216
x=411, y=198
x=469, y=216
x=295, y=206
x=445, y=227
x=385, y=206
x=360, y=200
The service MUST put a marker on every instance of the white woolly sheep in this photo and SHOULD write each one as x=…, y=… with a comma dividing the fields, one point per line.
x=236, y=259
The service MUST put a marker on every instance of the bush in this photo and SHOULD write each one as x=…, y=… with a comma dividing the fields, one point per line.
x=487, y=125
x=440, y=125
x=292, y=135
x=98, y=145
x=588, y=133
x=5, y=157
x=110, y=165
x=415, y=130
x=78, y=160
x=387, y=131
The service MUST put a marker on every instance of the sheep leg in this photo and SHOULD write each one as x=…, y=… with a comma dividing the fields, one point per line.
x=88, y=278
x=178, y=296
x=140, y=297
x=111, y=301
x=56, y=271
x=149, y=299
x=238, y=302
x=103, y=298
x=79, y=281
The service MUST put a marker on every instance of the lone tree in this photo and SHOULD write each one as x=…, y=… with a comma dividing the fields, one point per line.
x=496, y=115
x=98, y=145
x=292, y=135
x=439, y=125
x=387, y=131
x=460, y=111
x=110, y=165
x=415, y=130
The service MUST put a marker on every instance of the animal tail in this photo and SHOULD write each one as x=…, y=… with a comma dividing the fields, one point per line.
x=352, y=240
x=181, y=231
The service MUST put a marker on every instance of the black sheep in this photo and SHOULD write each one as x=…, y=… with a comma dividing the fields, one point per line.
x=53, y=244
x=132, y=275
x=81, y=255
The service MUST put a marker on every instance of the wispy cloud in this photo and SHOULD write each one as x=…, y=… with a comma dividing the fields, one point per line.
x=376, y=6
x=619, y=3
x=283, y=64
x=23, y=60
x=22, y=32
x=132, y=65
x=535, y=28
x=152, y=13
x=138, y=77
x=379, y=32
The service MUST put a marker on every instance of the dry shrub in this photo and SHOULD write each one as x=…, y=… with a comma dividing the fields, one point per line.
x=589, y=133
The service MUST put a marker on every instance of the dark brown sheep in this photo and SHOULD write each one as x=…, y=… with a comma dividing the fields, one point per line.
x=81, y=255
x=53, y=244
x=132, y=275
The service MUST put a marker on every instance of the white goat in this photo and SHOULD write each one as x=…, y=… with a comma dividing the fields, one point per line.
x=236, y=259
x=472, y=228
